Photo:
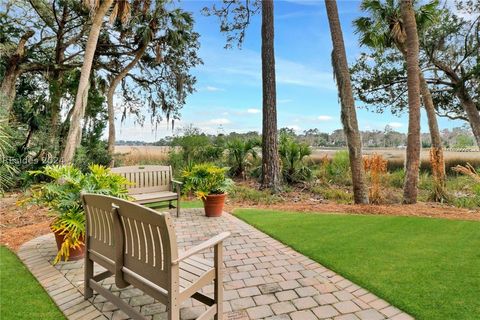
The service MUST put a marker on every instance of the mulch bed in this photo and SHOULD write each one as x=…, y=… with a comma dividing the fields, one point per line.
x=19, y=224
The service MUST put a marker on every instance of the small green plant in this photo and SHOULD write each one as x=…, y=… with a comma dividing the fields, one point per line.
x=293, y=154
x=205, y=179
x=61, y=194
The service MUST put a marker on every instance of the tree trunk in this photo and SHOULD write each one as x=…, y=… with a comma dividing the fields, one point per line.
x=111, y=91
x=437, y=160
x=57, y=80
x=348, y=113
x=8, y=86
x=75, y=132
x=471, y=109
x=462, y=94
x=270, y=160
x=410, y=190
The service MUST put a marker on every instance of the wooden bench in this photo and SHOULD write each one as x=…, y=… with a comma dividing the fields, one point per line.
x=151, y=184
x=138, y=246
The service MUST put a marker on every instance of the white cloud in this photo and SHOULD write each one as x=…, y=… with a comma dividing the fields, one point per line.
x=218, y=122
x=324, y=118
x=253, y=110
x=294, y=127
x=395, y=125
x=212, y=89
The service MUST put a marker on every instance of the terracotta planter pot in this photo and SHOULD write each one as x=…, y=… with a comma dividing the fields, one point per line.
x=75, y=254
x=213, y=205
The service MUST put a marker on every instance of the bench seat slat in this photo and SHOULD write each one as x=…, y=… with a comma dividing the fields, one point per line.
x=153, y=196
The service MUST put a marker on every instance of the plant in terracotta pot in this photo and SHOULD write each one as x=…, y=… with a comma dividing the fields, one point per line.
x=60, y=193
x=209, y=183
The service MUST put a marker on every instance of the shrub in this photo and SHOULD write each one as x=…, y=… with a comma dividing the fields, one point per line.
x=376, y=167
x=95, y=153
x=335, y=194
x=248, y=194
x=396, y=178
x=470, y=198
x=195, y=147
x=204, y=179
x=337, y=169
x=240, y=153
x=292, y=154
x=62, y=196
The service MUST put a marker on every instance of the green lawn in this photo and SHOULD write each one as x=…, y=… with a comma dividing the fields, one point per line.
x=21, y=296
x=428, y=267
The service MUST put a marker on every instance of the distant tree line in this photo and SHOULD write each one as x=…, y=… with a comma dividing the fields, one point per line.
x=458, y=137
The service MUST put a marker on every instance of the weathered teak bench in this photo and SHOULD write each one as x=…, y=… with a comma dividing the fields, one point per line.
x=138, y=246
x=151, y=184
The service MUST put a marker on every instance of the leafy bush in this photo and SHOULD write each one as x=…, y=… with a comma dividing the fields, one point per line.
x=204, y=179
x=470, y=198
x=292, y=154
x=335, y=194
x=94, y=153
x=396, y=178
x=61, y=195
x=241, y=152
x=195, y=147
x=336, y=170
x=248, y=194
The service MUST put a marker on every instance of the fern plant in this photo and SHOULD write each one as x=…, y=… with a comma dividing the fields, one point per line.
x=61, y=194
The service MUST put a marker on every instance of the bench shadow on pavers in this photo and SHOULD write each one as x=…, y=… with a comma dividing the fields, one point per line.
x=138, y=247
x=150, y=184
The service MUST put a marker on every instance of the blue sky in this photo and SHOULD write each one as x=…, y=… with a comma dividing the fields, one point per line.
x=229, y=91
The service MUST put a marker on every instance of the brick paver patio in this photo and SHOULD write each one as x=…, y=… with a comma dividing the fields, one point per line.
x=264, y=279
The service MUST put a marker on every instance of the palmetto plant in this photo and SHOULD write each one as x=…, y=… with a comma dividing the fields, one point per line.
x=61, y=194
x=7, y=171
x=292, y=155
x=240, y=154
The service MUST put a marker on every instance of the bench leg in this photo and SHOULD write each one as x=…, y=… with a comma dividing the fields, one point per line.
x=170, y=206
x=178, y=207
x=218, y=294
x=88, y=291
x=173, y=311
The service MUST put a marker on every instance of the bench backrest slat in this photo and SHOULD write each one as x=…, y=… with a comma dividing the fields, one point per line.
x=99, y=228
x=146, y=179
x=149, y=241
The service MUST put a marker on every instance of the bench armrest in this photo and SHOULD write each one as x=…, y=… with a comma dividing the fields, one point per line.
x=177, y=182
x=202, y=246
